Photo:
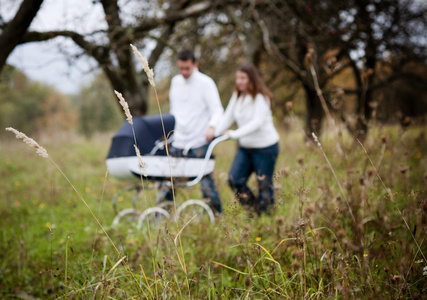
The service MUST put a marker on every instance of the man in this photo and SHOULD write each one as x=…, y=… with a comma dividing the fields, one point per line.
x=196, y=106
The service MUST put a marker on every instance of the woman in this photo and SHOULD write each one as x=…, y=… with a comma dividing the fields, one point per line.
x=250, y=109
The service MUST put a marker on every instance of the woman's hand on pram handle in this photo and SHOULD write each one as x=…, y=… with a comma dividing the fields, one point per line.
x=207, y=157
x=220, y=138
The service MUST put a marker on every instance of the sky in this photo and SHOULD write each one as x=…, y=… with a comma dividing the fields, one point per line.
x=43, y=61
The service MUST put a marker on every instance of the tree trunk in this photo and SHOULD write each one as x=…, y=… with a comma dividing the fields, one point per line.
x=133, y=87
x=364, y=110
x=314, y=112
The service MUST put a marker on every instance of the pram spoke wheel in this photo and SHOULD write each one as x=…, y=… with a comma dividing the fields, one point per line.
x=198, y=208
x=153, y=216
x=166, y=205
x=130, y=214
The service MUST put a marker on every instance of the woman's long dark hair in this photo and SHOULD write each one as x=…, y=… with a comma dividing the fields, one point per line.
x=256, y=84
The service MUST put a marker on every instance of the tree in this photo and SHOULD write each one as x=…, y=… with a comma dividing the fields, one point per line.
x=341, y=35
x=110, y=47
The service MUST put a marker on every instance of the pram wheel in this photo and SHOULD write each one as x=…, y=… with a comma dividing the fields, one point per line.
x=197, y=209
x=152, y=217
x=168, y=206
x=127, y=218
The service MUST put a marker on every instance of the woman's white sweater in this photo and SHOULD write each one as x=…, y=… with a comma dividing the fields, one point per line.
x=255, y=128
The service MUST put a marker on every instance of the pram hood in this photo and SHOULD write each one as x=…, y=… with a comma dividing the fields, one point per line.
x=148, y=129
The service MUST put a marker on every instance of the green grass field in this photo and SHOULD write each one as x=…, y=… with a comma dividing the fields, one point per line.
x=339, y=230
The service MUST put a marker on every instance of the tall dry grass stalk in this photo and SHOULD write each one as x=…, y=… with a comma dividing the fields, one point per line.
x=150, y=75
x=309, y=58
x=333, y=172
x=391, y=198
x=129, y=118
x=42, y=152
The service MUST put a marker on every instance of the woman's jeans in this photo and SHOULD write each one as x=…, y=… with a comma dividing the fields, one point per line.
x=209, y=190
x=261, y=161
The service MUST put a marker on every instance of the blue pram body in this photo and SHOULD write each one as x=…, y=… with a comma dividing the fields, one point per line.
x=147, y=133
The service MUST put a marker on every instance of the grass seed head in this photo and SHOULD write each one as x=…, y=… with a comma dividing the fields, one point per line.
x=285, y=172
x=301, y=223
x=403, y=170
x=309, y=56
x=125, y=106
x=348, y=185
x=299, y=254
x=316, y=140
x=340, y=93
x=309, y=210
x=141, y=163
x=247, y=281
x=144, y=61
x=296, y=265
x=29, y=141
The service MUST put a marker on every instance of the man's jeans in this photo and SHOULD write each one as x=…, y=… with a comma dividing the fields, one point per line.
x=209, y=190
x=261, y=161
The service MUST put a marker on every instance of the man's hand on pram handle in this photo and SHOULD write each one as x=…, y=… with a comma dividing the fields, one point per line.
x=210, y=134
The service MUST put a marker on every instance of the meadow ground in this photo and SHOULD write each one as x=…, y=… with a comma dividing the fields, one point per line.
x=347, y=224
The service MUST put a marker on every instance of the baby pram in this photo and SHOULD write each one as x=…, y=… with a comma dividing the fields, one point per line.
x=157, y=167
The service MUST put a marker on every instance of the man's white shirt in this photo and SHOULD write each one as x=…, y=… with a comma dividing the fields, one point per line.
x=195, y=104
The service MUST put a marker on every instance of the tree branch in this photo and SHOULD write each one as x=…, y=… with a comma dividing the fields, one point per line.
x=13, y=32
x=174, y=16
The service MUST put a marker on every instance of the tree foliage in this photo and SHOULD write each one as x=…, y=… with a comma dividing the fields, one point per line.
x=357, y=35
x=32, y=107
x=97, y=112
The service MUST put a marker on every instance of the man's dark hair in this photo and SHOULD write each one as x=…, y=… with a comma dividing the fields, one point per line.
x=185, y=55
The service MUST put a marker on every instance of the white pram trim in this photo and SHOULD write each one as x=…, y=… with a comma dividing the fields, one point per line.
x=128, y=168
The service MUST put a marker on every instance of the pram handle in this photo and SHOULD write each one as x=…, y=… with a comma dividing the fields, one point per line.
x=194, y=144
x=206, y=159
